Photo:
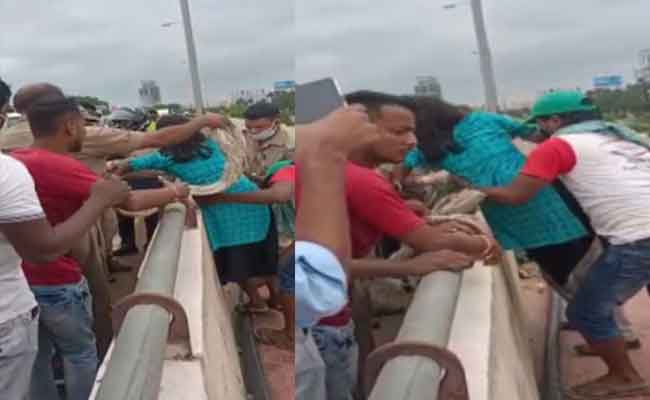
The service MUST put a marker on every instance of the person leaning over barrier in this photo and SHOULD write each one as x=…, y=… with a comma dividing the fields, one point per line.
x=606, y=166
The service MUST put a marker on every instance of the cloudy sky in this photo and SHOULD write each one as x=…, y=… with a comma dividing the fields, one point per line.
x=105, y=48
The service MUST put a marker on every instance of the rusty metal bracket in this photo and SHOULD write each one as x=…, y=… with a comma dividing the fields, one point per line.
x=453, y=385
x=179, y=330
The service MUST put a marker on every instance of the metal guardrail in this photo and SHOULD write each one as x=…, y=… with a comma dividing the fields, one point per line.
x=149, y=319
x=412, y=366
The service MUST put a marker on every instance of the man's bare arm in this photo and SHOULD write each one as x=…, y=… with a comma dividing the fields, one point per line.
x=430, y=238
x=418, y=266
x=37, y=241
x=278, y=193
x=520, y=191
x=321, y=158
x=180, y=133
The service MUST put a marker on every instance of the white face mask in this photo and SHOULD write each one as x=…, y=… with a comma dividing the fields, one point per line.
x=265, y=134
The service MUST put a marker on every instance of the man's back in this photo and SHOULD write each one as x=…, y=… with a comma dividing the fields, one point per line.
x=63, y=184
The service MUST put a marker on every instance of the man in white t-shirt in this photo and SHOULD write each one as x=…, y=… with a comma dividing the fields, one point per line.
x=606, y=167
x=26, y=233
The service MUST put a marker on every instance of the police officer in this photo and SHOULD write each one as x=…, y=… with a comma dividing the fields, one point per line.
x=269, y=141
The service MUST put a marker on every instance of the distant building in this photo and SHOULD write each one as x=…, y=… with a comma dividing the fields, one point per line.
x=149, y=94
x=643, y=73
x=428, y=86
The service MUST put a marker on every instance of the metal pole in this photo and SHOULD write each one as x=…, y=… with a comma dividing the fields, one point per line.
x=487, y=72
x=191, y=56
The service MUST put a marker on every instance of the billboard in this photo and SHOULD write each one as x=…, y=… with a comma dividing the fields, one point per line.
x=608, y=81
x=284, y=85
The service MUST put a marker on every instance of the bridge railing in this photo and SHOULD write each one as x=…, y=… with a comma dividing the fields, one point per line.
x=146, y=318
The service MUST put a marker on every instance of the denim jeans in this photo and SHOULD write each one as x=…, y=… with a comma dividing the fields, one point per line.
x=65, y=326
x=18, y=346
x=340, y=352
x=620, y=273
x=310, y=370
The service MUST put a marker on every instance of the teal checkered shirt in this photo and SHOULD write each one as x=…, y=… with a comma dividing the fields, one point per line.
x=489, y=158
x=227, y=224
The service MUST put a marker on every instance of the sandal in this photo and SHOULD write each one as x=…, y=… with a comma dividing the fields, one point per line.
x=606, y=391
x=584, y=350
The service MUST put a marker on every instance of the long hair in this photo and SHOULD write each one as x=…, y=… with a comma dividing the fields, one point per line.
x=435, y=123
x=194, y=147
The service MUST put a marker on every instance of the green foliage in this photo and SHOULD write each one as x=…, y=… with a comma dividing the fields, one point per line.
x=633, y=99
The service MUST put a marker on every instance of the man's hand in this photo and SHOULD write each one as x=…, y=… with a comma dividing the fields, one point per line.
x=110, y=191
x=215, y=121
x=418, y=207
x=444, y=260
x=181, y=189
x=338, y=133
x=117, y=167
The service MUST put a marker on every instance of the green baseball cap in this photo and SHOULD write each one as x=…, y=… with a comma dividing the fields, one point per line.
x=560, y=102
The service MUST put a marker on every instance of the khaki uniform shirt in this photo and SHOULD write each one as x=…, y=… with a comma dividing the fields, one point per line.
x=264, y=154
x=102, y=142
x=16, y=137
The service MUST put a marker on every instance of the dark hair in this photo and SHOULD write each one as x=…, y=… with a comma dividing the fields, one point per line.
x=374, y=101
x=5, y=93
x=577, y=117
x=262, y=109
x=46, y=114
x=28, y=95
x=435, y=123
x=195, y=146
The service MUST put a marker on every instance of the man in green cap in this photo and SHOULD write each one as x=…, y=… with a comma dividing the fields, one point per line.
x=606, y=166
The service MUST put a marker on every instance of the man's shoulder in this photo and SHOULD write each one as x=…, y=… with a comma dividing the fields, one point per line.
x=38, y=159
x=358, y=179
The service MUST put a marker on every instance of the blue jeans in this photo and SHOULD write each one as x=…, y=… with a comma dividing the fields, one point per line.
x=340, y=352
x=18, y=347
x=287, y=276
x=620, y=273
x=65, y=325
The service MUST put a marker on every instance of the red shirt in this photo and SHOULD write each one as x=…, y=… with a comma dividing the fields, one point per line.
x=549, y=160
x=375, y=210
x=286, y=174
x=63, y=185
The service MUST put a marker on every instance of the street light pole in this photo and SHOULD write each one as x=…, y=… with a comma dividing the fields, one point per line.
x=487, y=71
x=191, y=57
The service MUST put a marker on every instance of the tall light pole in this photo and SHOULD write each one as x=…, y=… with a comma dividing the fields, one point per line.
x=487, y=71
x=191, y=57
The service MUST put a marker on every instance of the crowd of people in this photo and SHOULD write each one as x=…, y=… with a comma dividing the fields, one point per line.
x=69, y=185
x=305, y=225
x=576, y=205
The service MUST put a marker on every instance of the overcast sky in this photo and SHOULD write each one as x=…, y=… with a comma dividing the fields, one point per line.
x=105, y=48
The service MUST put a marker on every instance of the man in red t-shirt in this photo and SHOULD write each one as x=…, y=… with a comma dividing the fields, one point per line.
x=63, y=185
x=376, y=210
